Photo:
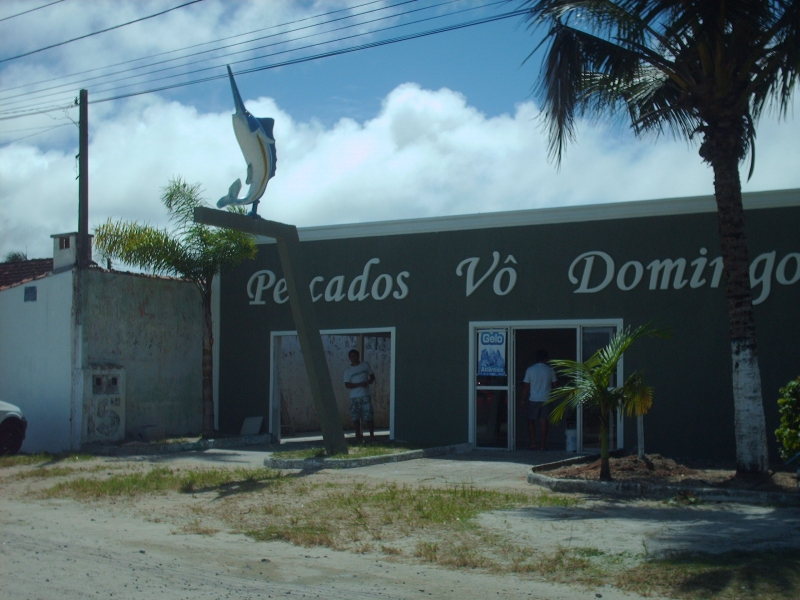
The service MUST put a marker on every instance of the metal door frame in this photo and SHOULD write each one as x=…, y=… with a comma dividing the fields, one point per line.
x=275, y=386
x=512, y=326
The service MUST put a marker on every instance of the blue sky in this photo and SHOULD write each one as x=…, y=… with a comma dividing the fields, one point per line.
x=434, y=126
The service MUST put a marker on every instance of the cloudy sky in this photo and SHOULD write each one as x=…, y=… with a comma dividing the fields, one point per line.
x=440, y=125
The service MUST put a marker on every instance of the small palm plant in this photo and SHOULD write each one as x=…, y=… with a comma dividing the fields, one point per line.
x=591, y=384
x=190, y=251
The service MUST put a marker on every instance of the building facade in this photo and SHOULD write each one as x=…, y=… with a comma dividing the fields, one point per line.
x=463, y=303
x=93, y=355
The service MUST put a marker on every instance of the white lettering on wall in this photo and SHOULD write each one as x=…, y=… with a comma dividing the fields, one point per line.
x=263, y=280
x=402, y=291
x=780, y=274
x=588, y=258
x=666, y=267
x=671, y=273
x=765, y=278
x=499, y=287
x=360, y=288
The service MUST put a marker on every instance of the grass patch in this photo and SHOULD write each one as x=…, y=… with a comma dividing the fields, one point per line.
x=20, y=460
x=161, y=480
x=771, y=575
x=362, y=450
x=343, y=516
x=45, y=472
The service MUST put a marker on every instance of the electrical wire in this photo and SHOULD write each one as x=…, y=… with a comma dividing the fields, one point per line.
x=82, y=37
x=25, y=12
x=37, y=93
x=37, y=96
x=25, y=137
x=9, y=111
x=338, y=52
x=225, y=39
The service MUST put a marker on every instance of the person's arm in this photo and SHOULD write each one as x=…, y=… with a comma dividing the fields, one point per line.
x=526, y=389
x=347, y=383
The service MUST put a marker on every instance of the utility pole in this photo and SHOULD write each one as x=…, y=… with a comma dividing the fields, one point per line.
x=83, y=250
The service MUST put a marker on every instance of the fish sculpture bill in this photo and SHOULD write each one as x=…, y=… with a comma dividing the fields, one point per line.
x=257, y=142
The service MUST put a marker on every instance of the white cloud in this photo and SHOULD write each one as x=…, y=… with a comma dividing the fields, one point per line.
x=426, y=153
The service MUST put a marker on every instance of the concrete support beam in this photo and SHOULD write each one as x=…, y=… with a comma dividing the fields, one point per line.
x=305, y=317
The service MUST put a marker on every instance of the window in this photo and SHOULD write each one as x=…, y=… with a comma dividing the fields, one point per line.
x=63, y=243
x=30, y=293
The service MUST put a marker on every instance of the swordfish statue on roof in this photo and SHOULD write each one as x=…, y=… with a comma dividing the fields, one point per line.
x=257, y=142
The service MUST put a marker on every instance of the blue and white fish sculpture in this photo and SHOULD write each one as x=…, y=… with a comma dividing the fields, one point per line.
x=257, y=142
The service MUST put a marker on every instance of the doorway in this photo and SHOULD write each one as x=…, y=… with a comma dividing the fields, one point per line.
x=500, y=353
x=560, y=344
x=292, y=411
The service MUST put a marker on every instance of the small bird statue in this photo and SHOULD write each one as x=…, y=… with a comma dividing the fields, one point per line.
x=257, y=142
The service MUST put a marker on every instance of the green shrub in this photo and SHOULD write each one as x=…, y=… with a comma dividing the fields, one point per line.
x=788, y=433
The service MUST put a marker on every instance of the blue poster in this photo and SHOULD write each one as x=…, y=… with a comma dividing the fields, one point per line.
x=492, y=352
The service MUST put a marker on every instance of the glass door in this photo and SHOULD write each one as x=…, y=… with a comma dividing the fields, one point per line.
x=592, y=339
x=492, y=389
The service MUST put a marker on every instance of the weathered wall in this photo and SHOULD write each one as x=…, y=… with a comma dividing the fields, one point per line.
x=297, y=408
x=36, y=359
x=152, y=327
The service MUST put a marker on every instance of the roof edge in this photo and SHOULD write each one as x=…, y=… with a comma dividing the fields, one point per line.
x=545, y=216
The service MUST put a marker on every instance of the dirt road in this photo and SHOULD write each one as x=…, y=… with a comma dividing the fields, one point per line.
x=65, y=549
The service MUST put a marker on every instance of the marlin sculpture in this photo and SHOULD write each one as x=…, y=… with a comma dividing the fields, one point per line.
x=257, y=142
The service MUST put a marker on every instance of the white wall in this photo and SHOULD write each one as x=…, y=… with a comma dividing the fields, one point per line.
x=35, y=359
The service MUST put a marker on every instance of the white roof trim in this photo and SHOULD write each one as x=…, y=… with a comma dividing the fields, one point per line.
x=544, y=216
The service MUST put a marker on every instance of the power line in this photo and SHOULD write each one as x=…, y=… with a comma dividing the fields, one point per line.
x=236, y=62
x=22, y=109
x=295, y=61
x=224, y=39
x=37, y=93
x=158, y=14
x=25, y=137
x=21, y=130
x=299, y=60
x=25, y=12
x=37, y=96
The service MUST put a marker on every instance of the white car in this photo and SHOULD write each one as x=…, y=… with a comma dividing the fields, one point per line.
x=12, y=428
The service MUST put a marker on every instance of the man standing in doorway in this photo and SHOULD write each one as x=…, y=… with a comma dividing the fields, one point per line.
x=539, y=380
x=357, y=378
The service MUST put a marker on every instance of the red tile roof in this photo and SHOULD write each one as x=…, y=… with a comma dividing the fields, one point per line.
x=16, y=272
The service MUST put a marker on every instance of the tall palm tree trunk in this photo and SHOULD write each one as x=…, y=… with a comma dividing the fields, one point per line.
x=605, y=464
x=208, y=365
x=749, y=424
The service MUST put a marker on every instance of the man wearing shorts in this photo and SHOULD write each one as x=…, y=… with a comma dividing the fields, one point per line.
x=357, y=378
x=539, y=380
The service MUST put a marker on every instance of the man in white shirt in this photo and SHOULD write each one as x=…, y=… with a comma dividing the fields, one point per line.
x=357, y=378
x=539, y=380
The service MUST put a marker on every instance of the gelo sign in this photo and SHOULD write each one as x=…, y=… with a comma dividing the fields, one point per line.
x=492, y=353
x=492, y=338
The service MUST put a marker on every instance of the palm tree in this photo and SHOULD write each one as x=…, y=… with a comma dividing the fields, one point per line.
x=704, y=69
x=191, y=251
x=591, y=384
x=16, y=256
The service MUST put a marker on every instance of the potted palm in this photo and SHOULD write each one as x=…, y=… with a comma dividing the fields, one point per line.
x=592, y=384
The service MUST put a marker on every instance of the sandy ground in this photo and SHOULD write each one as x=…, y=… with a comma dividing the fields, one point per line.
x=65, y=550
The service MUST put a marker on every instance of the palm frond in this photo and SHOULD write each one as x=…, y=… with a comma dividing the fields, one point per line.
x=686, y=67
x=189, y=250
x=144, y=246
